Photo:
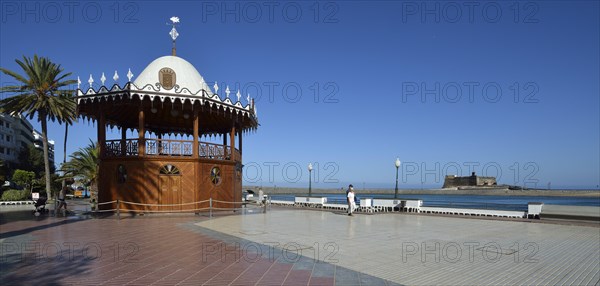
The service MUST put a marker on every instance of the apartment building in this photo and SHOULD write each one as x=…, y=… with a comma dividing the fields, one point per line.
x=15, y=133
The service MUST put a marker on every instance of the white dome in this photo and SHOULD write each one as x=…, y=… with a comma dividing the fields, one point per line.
x=186, y=76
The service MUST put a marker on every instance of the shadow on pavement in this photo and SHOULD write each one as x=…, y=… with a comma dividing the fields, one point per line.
x=4, y=235
x=21, y=214
x=49, y=269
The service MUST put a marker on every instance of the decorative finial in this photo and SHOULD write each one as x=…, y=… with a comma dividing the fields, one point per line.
x=129, y=75
x=91, y=81
x=216, y=87
x=116, y=76
x=248, y=98
x=174, y=34
x=238, y=95
x=102, y=78
x=78, y=82
x=227, y=91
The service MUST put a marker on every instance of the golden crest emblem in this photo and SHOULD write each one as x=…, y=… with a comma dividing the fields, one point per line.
x=167, y=78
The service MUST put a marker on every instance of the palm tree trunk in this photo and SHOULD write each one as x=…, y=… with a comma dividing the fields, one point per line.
x=65, y=146
x=44, y=124
x=64, y=181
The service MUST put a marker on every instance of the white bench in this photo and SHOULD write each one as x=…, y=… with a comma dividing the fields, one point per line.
x=474, y=212
x=534, y=210
x=408, y=205
x=282, y=203
x=310, y=201
x=413, y=205
x=385, y=205
x=366, y=205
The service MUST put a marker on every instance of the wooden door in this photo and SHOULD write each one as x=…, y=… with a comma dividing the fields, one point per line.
x=170, y=192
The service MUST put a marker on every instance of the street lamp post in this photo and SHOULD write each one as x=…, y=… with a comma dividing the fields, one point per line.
x=397, y=166
x=310, y=167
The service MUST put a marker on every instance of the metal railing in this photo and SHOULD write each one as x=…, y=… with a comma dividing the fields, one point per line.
x=169, y=148
x=114, y=148
x=211, y=151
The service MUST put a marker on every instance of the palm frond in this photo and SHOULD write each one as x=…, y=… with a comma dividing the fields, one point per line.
x=83, y=163
x=14, y=75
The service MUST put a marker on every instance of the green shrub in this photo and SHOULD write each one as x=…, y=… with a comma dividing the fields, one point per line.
x=15, y=195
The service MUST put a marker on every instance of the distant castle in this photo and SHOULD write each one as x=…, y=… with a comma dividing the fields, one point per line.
x=452, y=181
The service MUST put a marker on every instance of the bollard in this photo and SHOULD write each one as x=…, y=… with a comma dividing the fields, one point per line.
x=210, y=207
x=118, y=210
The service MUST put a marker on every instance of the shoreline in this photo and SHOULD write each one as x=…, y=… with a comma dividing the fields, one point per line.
x=482, y=192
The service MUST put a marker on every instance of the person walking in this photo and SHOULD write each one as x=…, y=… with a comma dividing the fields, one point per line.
x=62, y=196
x=350, y=198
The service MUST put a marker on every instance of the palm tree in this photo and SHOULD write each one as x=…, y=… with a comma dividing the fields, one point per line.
x=74, y=117
x=41, y=91
x=68, y=122
x=84, y=165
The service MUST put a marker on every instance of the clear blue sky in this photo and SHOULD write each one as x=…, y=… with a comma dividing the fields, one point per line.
x=414, y=80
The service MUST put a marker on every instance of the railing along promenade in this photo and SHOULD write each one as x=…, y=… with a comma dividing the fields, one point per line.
x=169, y=148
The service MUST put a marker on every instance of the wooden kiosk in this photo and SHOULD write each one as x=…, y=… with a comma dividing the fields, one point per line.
x=168, y=98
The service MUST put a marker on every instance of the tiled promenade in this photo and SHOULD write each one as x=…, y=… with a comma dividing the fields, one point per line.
x=160, y=250
x=431, y=250
x=295, y=247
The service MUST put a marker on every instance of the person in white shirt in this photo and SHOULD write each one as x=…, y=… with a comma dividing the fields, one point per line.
x=261, y=197
x=350, y=198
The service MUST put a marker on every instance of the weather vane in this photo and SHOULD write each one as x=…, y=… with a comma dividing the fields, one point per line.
x=173, y=33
